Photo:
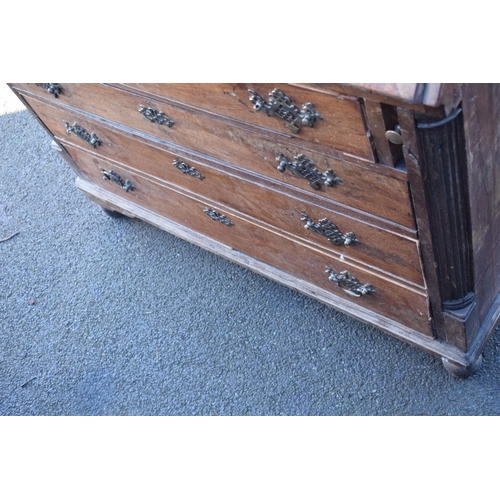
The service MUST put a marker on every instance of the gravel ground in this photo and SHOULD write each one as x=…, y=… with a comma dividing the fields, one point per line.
x=102, y=316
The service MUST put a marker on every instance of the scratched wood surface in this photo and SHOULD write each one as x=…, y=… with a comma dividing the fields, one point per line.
x=481, y=109
x=398, y=301
x=441, y=205
x=365, y=189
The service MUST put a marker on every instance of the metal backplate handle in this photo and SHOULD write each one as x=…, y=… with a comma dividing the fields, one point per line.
x=214, y=215
x=52, y=88
x=349, y=283
x=304, y=167
x=126, y=185
x=326, y=228
x=186, y=169
x=280, y=105
x=156, y=116
x=78, y=130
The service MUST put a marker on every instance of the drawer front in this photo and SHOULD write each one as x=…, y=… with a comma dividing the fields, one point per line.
x=342, y=125
x=376, y=247
x=393, y=253
x=361, y=188
x=403, y=304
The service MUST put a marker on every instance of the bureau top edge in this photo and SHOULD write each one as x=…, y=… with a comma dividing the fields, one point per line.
x=431, y=98
x=417, y=96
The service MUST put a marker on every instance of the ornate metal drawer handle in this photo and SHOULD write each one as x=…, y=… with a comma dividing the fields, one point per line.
x=52, y=88
x=281, y=106
x=78, y=130
x=304, y=167
x=214, y=215
x=156, y=116
x=349, y=283
x=326, y=228
x=186, y=169
x=126, y=185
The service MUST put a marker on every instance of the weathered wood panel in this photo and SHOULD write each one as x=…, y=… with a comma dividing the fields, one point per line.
x=395, y=300
x=384, y=196
x=481, y=108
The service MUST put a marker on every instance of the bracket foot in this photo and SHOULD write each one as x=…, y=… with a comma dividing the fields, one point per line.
x=462, y=371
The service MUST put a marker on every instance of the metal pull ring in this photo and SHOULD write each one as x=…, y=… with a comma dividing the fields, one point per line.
x=126, y=185
x=52, y=88
x=349, y=283
x=78, y=130
x=156, y=116
x=304, y=167
x=326, y=228
x=281, y=106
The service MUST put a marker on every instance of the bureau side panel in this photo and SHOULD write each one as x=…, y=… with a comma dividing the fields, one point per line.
x=481, y=108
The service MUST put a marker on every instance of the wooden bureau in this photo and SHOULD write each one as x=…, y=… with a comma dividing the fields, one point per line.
x=380, y=200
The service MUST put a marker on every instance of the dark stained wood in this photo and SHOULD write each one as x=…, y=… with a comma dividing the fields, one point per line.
x=444, y=175
x=460, y=371
x=377, y=126
x=387, y=197
x=437, y=169
x=481, y=110
x=96, y=99
x=342, y=126
x=444, y=172
x=462, y=325
x=401, y=302
x=385, y=250
x=450, y=194
x=421, y=210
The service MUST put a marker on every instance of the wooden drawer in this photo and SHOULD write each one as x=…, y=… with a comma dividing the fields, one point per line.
x=361, y=188
x=448, y=135
x=405, y=304
x=395, y=254
x=342, y=125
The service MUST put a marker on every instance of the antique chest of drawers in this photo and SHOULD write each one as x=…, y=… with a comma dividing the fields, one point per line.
x=380, y=200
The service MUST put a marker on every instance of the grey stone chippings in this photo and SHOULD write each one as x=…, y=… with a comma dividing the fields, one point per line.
x=102, y=316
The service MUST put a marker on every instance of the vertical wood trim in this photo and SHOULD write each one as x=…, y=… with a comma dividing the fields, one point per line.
x=438, y=174
x=444, y=172
x=421, y=212
x=376, y=123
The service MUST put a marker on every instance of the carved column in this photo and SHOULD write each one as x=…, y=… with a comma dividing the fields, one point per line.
x=443, y=165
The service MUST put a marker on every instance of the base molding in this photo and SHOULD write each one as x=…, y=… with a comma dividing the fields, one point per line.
x=455, y=361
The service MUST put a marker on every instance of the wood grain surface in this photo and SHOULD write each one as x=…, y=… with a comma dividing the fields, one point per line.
x=342, y=125
x=405, y=304
x=361, y=188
